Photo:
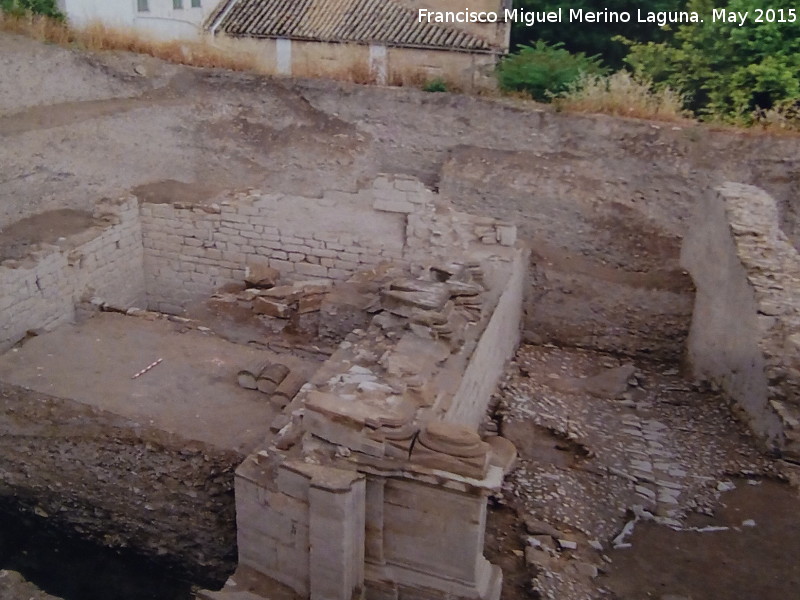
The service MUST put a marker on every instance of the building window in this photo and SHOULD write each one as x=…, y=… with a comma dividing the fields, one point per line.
x=142, y=6
x=196, y=4
x=177, y=4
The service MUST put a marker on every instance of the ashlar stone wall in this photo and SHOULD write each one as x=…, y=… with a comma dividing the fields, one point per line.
x=41, y=291
x=496, y=346
x=191, y=250
x=745, y=333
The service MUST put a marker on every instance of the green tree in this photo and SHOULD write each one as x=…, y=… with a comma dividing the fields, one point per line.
x=39, y=7
x=725, y=69
x=594, y=38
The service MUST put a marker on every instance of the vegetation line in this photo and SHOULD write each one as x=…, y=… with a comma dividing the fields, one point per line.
x=543, y=71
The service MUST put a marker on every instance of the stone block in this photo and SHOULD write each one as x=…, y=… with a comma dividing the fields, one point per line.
x=394, y=206
x=311, y=303
x=256, y=551
x=271, y=308
x=292, y=570
x=342, y=435
x=293, y=483
x=311, y=270
x=284, y=266
x=408, y=184
x=259, y=274
x=507, y=235
x=325, y=236
x=374, y=521
x=324, y=253
x=292, y=508
x=272, y=524
x=347, y=265
x=382, y=182
x=351, y=256
x=336, y=536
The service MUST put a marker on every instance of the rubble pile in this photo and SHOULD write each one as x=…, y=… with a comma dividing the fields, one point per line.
x=404, y=362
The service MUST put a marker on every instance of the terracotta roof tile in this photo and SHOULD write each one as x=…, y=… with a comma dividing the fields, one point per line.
x=360, y=21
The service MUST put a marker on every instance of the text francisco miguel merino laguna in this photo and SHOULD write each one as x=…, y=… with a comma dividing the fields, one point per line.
x=573, y=15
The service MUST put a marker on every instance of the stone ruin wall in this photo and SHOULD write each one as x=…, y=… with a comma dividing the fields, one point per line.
x=151, y=253
x=745, y=333
x=381, y=447
x=191, y=250
x=42, y=291
x=497, y=344
x=165, y=256
x=329, y=532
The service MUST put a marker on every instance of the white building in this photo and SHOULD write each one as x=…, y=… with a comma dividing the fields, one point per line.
x=166, y=19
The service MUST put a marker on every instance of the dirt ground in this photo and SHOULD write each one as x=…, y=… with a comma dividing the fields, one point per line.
x=21, y=238
x=759, y=519
x=613, y=435
x=192, y=392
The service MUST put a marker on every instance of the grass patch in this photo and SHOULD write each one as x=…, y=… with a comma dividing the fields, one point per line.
x=622, y=94
x=217, y=52
x=783, y=118
x=355, y=72
x=435, y=85
x=98, y=37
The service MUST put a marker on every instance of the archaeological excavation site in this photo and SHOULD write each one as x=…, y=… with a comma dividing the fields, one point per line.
x=266, y=338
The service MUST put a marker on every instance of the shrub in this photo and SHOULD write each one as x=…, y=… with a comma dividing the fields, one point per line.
x=728, y=71
x=545, y=70
x=622, y=94
x=19, y=8
x=581, y=36
x=435, y=85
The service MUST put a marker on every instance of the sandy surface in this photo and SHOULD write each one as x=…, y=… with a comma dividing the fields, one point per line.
x=193, y=392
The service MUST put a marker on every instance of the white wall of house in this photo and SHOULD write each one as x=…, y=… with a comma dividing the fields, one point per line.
x=166, y=19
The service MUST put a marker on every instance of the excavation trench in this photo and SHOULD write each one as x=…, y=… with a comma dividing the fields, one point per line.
x=93, y=502
x=62, y=564
x=130, y=439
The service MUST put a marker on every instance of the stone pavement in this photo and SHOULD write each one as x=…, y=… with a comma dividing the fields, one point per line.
x=603, y=445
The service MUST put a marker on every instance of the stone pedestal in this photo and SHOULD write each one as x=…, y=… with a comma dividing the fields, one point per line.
x=302, y=525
